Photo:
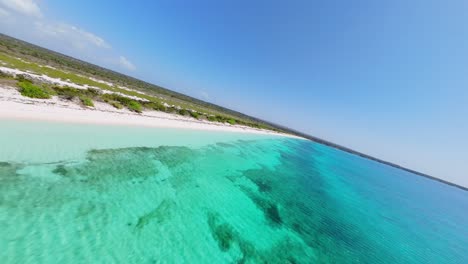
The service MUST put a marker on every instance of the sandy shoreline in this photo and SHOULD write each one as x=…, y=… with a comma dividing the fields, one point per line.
x=13, y=106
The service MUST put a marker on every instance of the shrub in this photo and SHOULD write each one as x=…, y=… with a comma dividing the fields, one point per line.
x=122, y=99
x=48, y=90
x=182, y=112
x=231, y=121
x=111, y=97
x=154, y=106
x=119, y=101
x=116, y=104
x=86, y=101
x=194, y=114
x=220, y=119
x=134, y=106
x=170, y=109
x=162, y=108
x=93, y=92
x=67, y=92
x=108, y=97
x=30, y=90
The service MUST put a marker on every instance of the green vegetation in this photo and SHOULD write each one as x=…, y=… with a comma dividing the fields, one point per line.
x=86, y=101
x=182, y=112
x=120, y=101
x=154, y=106
x=134, y=106
x=71, y=77
x=27, y=57
x=47, y=89
x=22, y=78
x=30, y=90
x=94, y=92
x=116, y=105
x=172, y=110
x=86, y=97
x=194, y=114
x=70, y=93
x=66, y=92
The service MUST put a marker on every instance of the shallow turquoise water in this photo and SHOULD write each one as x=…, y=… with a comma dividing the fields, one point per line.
x=104, y=194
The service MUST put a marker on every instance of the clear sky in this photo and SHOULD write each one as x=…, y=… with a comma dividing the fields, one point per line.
x=387, y=78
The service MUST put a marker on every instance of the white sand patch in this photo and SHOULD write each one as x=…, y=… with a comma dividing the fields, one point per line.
x=14, y=106
x=61, y=83
x=131, y=90
x=101, y=81
x=43, y=78
x=50, y=67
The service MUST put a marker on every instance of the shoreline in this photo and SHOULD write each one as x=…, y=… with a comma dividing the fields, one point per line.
x=14, y=106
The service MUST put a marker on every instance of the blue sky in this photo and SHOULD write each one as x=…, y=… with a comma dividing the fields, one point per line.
x=388, y=78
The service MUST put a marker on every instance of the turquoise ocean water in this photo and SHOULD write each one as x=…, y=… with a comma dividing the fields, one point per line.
x=74, y=193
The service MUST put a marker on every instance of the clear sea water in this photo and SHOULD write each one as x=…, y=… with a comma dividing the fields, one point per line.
x=73, y=193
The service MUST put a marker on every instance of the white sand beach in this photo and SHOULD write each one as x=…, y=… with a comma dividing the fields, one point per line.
x=15, y=106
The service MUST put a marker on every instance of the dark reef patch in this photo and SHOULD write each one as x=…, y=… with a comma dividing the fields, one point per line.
x=268, y=207
x=221, y=232
x=125, y=164
x=158, y=215
x=225, y=145
x=8, y=169
x=60, y=170
x=18, y=189
x=273, y=214
x=9, y=179
x=173, y=156
x=262, y=184
x=110, y=165
x=261, y=178
x=286, y=250
x=4, y=164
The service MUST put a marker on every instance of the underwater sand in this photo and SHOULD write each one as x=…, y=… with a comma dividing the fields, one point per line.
x=75, y=193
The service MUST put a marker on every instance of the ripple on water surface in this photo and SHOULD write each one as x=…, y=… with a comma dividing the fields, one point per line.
x=239, y=201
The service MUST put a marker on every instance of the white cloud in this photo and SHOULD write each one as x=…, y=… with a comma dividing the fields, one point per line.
x=98, y=41
x=77, y=37
x=25, y=7
x=39, y=29
x=126, y=64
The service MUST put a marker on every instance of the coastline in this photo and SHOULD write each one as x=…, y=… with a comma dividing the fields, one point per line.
x=14, y=106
